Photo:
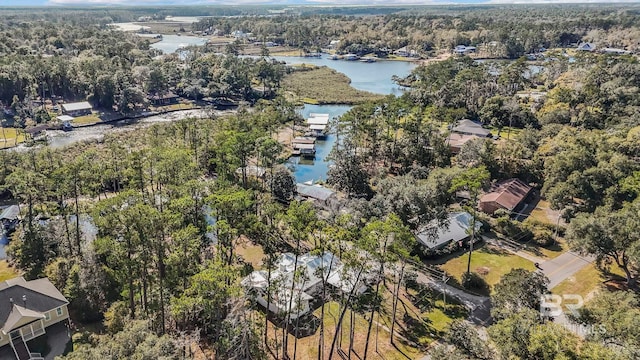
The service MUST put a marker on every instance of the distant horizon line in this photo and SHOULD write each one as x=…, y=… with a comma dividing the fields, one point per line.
x=323, y=5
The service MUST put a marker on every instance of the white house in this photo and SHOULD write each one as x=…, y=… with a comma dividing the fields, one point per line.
x=464, y=50
x=294, y=294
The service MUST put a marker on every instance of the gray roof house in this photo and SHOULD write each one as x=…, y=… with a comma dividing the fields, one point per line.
x=77, y=108
x=455, y=229
x=316, y=192
x=30, y=309
x=469, y=127
x=307, y=286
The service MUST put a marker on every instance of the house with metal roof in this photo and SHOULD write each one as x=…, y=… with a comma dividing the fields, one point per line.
x=294, y=284
x=508, y=194
x=28, y=310
x=317, y=193
x=469, y=127
x=456, y=228
x=77, y=108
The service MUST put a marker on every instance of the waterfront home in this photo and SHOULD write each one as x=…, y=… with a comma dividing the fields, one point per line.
x=457, y=228
x=29, y=310
x=586, y=47
x=317, y=193
x=464, y=50
x=350, y=57
x=508, y=194
x=161, y=99
x=296, y=284
x=77, y=108
x=405, y=52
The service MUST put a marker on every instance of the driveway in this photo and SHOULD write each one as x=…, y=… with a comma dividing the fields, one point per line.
x=563, y=266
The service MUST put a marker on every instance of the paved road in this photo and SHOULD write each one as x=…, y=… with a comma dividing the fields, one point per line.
x=563, y=266
x=479, y=306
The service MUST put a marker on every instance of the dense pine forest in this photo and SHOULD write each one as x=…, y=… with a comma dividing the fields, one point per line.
x=151, y=232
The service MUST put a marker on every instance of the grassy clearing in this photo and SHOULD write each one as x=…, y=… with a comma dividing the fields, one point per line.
x=490, y=262
x=10, y=137
x=252, y=254
x=87, y=119
x=587, y=280
x=549, y=252
x=7, y=272
x=326, y=86
x=515, y=132
x=173, y=107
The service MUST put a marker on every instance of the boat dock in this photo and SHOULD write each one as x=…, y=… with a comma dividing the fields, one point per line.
x=318, y=124
x=304, y=146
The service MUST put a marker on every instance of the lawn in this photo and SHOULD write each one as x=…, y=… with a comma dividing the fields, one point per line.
x=488, y=261
x=585, y=281
x=179, y=106
x=7, y=272
x=252, y=254
x=10, y=137
x=504, y=131
x=324, y=86
x=87, y=119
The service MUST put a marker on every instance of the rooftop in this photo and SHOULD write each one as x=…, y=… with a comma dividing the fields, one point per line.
x=317, y=192
x=467, y=126
x=20, y=298
x=455, y=228
x=507, y=193
x=83, y=105
x=10, y=213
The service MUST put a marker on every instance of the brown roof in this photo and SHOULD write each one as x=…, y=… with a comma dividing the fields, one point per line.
x=457, y=140
x=507, y=193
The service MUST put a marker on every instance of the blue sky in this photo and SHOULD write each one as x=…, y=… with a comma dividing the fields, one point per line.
x=238, y=2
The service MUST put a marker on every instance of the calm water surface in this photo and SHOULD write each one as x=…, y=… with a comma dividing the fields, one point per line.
x=373, y=77
x=316, y=169
x=171, y=43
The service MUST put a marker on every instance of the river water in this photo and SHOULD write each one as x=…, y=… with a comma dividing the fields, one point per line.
x=372, y=77
x=172, y=43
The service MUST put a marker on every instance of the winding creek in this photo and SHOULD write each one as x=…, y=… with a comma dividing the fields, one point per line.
x=373, y=77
